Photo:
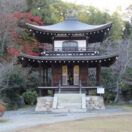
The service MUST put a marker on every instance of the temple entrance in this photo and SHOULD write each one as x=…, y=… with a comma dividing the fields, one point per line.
x=70, y=75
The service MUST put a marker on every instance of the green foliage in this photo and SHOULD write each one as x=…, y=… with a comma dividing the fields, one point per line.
x=109, y=97
x=12, y=84
x=94, y=16
x=109, y=83
x=127, y=91
x=15, y=81
x=92, y=92
x=32, y=80
x=126, y=88
x=42, y=9
x=15, y=77
x=127, y=28
x=3, y=103
x=117, y=27
x=30, y=97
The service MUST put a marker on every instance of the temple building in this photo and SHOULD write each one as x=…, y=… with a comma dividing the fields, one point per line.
x=66, y=59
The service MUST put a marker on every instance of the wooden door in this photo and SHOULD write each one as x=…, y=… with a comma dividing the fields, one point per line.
x=76, y=75
x=64, y=74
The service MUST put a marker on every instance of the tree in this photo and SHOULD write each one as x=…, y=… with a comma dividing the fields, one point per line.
x=21, y=34
x=7, y=23
x=42, y=9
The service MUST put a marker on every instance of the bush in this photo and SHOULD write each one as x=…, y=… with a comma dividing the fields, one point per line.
x=30, y=97
x=12, y=85
x=108, y=97
x=2, y=108
x=92, y=92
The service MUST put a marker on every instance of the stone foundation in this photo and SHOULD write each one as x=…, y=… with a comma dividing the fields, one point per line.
x=95, y=102
x=77, y=103
x=44, y=104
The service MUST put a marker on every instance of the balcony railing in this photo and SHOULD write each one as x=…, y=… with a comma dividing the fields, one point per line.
x=80, y=51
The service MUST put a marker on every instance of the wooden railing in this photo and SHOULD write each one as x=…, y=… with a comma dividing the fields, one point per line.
x=81, y=51
x=81, y=84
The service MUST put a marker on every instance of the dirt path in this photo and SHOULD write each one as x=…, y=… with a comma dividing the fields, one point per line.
x=120, y=123
x=26, y=118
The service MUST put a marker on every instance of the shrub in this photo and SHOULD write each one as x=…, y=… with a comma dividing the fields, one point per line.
x=2, y=108
x=92, y=92
x=108, y=97
x=30, y=97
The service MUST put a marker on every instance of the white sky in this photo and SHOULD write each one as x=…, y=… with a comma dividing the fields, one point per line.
x=104, y=4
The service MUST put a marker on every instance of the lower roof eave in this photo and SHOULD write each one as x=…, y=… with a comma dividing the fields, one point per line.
x=104, y=60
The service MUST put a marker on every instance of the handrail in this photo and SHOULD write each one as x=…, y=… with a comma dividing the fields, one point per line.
x=80, y=86
x=59, y=86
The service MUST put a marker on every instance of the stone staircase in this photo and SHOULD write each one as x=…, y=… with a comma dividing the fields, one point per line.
x=69, y=103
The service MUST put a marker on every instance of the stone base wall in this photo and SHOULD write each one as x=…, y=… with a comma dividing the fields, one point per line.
x=94, y=102
x=44, y=104
x=87, y=102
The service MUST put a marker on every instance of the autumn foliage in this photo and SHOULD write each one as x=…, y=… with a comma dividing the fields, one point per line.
x=21, y=36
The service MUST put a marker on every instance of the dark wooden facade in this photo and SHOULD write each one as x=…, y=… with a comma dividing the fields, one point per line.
x=53, y=76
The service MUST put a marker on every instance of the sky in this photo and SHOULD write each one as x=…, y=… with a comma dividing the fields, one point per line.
x=110, y=5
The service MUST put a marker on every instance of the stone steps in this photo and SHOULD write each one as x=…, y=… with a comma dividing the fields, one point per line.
x=70, y=91
x=69, y=101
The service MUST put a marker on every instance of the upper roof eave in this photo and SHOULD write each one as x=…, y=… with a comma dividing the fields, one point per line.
x=92, y=28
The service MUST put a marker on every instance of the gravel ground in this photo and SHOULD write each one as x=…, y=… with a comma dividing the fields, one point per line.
x=24, y=118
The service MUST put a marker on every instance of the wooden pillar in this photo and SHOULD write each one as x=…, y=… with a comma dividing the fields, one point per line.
x=53, y=43
x=52, y=75
x=44, y=75
x=87, y=75
x=86, y=43
x=98, y=75
x=47, y=75
x=40, y=94
x=39, y=74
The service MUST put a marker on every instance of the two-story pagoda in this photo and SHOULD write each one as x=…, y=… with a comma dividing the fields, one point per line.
x=64, y=64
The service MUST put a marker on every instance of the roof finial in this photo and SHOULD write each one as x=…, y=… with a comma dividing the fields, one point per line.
x=71, y=15
x=70, y=12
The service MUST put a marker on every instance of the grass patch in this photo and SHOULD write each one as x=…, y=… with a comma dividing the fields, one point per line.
x=3, y=120
x=125, y=107
x=120, y=105
x=121, y=123
x=26, y=106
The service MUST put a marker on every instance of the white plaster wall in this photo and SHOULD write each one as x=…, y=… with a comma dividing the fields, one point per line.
x=58, y=44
